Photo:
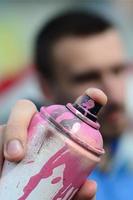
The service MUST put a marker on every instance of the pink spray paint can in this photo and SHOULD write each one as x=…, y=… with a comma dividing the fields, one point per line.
x=64, y=147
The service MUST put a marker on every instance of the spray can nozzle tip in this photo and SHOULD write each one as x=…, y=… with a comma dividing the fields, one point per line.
x=92, y=100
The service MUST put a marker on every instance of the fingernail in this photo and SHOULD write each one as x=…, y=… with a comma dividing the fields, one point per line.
x=14, y=148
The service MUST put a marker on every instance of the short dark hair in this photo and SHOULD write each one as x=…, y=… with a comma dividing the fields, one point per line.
x=72, y=23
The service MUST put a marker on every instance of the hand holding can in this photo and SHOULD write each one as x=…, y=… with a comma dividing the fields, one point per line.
x=64, y=147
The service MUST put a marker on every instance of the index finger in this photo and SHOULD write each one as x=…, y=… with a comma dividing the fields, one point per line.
x=15, y=135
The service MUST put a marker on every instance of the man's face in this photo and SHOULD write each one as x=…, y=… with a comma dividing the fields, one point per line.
x=93, y=61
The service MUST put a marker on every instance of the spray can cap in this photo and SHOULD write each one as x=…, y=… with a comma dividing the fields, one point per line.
x=90, y=103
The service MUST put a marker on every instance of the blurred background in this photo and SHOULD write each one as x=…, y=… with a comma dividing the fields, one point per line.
x=19, y=23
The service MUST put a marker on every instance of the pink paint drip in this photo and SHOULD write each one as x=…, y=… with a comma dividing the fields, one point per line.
x=72, y=168
x=56, y=180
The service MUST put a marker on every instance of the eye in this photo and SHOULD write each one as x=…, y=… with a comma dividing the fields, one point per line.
x=118, y=70
x=86, y=77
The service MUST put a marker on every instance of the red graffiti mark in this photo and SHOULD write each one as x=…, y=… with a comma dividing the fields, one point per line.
x=71, y=170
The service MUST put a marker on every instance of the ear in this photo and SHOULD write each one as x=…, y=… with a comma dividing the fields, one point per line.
x=47, y=88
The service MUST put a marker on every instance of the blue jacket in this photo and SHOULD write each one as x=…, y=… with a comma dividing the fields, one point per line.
x=118, y=183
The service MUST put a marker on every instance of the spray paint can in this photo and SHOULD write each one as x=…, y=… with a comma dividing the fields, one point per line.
x=64, y=146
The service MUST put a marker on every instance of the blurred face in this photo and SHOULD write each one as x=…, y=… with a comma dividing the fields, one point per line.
x=96, y=61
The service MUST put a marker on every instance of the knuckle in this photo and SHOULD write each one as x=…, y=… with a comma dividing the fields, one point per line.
x=12, y=127
x=2, y=128
x=26, y=103
x=15, y=131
